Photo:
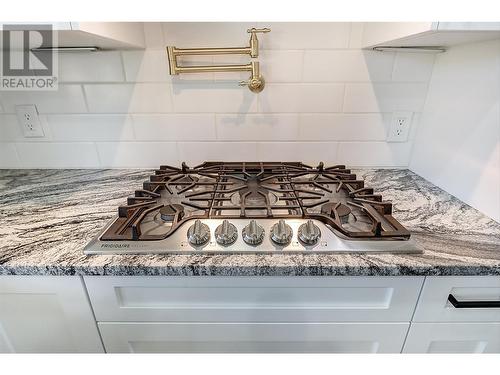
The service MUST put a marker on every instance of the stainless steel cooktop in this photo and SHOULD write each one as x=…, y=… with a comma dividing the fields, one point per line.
x=255, y=207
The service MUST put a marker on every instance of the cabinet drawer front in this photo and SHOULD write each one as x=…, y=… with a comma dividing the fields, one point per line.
x=434, y=304
x=253, y=299
x=46, y=314
x=253, y=337
x=453, y=338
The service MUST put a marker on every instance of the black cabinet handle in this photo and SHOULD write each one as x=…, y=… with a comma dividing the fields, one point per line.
x=472, y=304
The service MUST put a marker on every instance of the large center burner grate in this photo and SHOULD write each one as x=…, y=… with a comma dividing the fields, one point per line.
x=332, y=195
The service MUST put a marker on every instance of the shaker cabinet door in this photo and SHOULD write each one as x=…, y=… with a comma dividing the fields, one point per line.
x=41, y=314
x=453, y=338
x=459, y=299
x=253, y=299
x=253, y=337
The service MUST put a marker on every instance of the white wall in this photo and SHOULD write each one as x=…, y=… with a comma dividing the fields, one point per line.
x=325, y=99
x=457, y=146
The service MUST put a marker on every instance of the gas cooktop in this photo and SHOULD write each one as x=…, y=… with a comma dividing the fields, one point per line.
x=259, y=207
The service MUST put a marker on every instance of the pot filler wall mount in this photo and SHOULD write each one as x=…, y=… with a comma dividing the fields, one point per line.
x=255, y=83
x=255, y=207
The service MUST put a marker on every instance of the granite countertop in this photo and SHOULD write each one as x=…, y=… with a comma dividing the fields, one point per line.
x=47, y=217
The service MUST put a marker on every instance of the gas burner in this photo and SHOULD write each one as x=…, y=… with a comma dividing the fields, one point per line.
x=171, y=212
x=336, y=209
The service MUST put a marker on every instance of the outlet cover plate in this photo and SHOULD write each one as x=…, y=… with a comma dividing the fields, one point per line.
x=29, y=121
x=400, y=127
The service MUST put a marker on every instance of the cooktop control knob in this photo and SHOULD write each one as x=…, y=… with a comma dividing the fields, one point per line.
x=281, y=233
x=253, y=233
x=198, y=234
x=226, y=233
x=309, y=233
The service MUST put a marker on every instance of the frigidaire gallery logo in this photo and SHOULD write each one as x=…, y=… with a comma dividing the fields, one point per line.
x=28, y=61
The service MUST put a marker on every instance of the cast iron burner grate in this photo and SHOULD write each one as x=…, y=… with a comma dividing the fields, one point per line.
x=280, y=190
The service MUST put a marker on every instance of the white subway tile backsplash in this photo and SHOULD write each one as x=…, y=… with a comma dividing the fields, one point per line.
x=195, y=153
x=129, y=98
x=146, y=66
x=8, y=156
x=414, y=125
x=57, y=155
x=347, y=66
x=90, y=67
x=324, y=96
x=206, y=34
x=384, y=97
x=374, y=154
x=229, y=77
x=67, y=99
x=281, y=66
x=153, y=35
x=356, y=36
x=343, y=127
x=12, y=98
x=9, y=128
x=275, y=66
x=257, y=127
x=306, y=35
x=307, y=152
x=90, y=127
x=413, y=67
x=174, y=127
x=137, y=154
x=210, y=97
x=11, y=131
x=302, y=98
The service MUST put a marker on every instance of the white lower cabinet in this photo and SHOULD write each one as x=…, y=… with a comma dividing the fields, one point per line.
x=477, y=299
x=254, y=314
x=453, y=338
x=250, y=314
x=253, y=337
x=253, y=299
x=40, y=314
x=456, y=314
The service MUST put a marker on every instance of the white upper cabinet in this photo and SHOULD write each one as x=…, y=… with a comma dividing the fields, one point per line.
x=104, y=35
x=418, y=34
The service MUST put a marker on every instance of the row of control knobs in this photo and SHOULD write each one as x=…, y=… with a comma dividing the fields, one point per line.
x=253, y=233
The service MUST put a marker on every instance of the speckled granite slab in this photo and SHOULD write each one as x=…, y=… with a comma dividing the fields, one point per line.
x=47, y=216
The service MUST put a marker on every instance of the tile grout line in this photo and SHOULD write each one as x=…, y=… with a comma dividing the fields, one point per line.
x=216, y=127
x=18, y=156
x=96, y=148
x=152, y=114
x=124, y=71
x=344, y=99
x=235, y=82
x=85, y=99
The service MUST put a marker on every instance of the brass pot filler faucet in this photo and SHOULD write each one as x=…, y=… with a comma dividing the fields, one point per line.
x=255, y=83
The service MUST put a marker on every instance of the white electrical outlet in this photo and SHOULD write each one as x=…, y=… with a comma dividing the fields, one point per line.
x=400, y=127
x=27, y=116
